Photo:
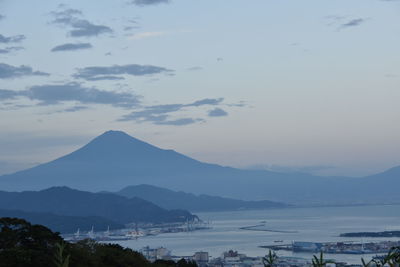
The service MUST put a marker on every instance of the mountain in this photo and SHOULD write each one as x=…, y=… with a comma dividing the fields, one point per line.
x=115, y=160
x=111, y=161
x=69, y=202
x=63, y=224
x=169, y=199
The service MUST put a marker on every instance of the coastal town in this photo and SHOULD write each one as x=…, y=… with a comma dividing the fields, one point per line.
x=136, y=231
x=233, y=258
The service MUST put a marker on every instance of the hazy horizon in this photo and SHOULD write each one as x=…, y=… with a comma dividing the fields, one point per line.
x=318, y=170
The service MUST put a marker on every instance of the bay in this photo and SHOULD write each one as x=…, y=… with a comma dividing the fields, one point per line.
x=318, y=224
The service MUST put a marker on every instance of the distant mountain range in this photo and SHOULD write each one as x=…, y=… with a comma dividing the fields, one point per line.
x=64, y=201
x=169, y=199
x=115, y=160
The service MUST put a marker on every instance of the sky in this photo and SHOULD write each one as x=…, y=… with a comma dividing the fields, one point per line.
x=288, y=85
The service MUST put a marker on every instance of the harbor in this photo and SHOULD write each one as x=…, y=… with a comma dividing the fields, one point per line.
x=135, y=231
x=349, y=247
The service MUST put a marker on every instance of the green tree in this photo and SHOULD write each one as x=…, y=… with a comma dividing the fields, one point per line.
x=88, y=253
x=24, y=244
x=60, y=259
x=270, y=260
x=392, y=258
x=186, y=263
x=320, y=262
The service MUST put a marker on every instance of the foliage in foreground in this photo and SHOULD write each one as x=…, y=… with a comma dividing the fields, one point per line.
x=24, y=245
x=270, y=260
x=391, y=259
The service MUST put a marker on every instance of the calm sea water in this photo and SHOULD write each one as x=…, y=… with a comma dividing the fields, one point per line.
x=308, y=224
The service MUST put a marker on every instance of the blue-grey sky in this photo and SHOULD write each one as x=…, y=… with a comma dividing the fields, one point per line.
x=310, y=85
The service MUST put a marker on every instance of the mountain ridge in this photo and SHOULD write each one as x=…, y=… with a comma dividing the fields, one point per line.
x=115, y=160
x=170, y=199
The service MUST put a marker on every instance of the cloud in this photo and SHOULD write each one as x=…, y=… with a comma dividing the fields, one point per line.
x=343, y=22
x=8, y=94
x=159, y=114
x=239, y=104
x=71, y=47
x=85, y=28
x=217, y=112
x=52, y=94
x=179, y=122
x=132, y=24
x=8, y=50
x=129, y=28
x=79, y=27
x=111, y=72
x=11, y=39
x=74, y=109
x=353, y=23
x=149, y=2
x=103, y=77
x=206, y=101
x=2, y=17
x=8, y=71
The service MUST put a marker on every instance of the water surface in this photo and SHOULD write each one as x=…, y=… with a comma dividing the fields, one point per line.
x=320, y=224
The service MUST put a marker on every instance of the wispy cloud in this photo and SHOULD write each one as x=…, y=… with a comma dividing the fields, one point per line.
x=131, y=24
x=73, y=109
x=9, y=94
x=11, y=39
x=114, y=72
x=343, y=22
x=52, y=94
x=149, y=2
x=71, y=47
x=9, y=72
x=79, y=27
x=206, y=101
x=10, y=49
x=160, y=114
x=353, y=23
x=239, y=104
x=180, y=122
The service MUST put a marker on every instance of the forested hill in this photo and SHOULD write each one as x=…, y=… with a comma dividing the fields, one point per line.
x=69, y=202
x=63, y=224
